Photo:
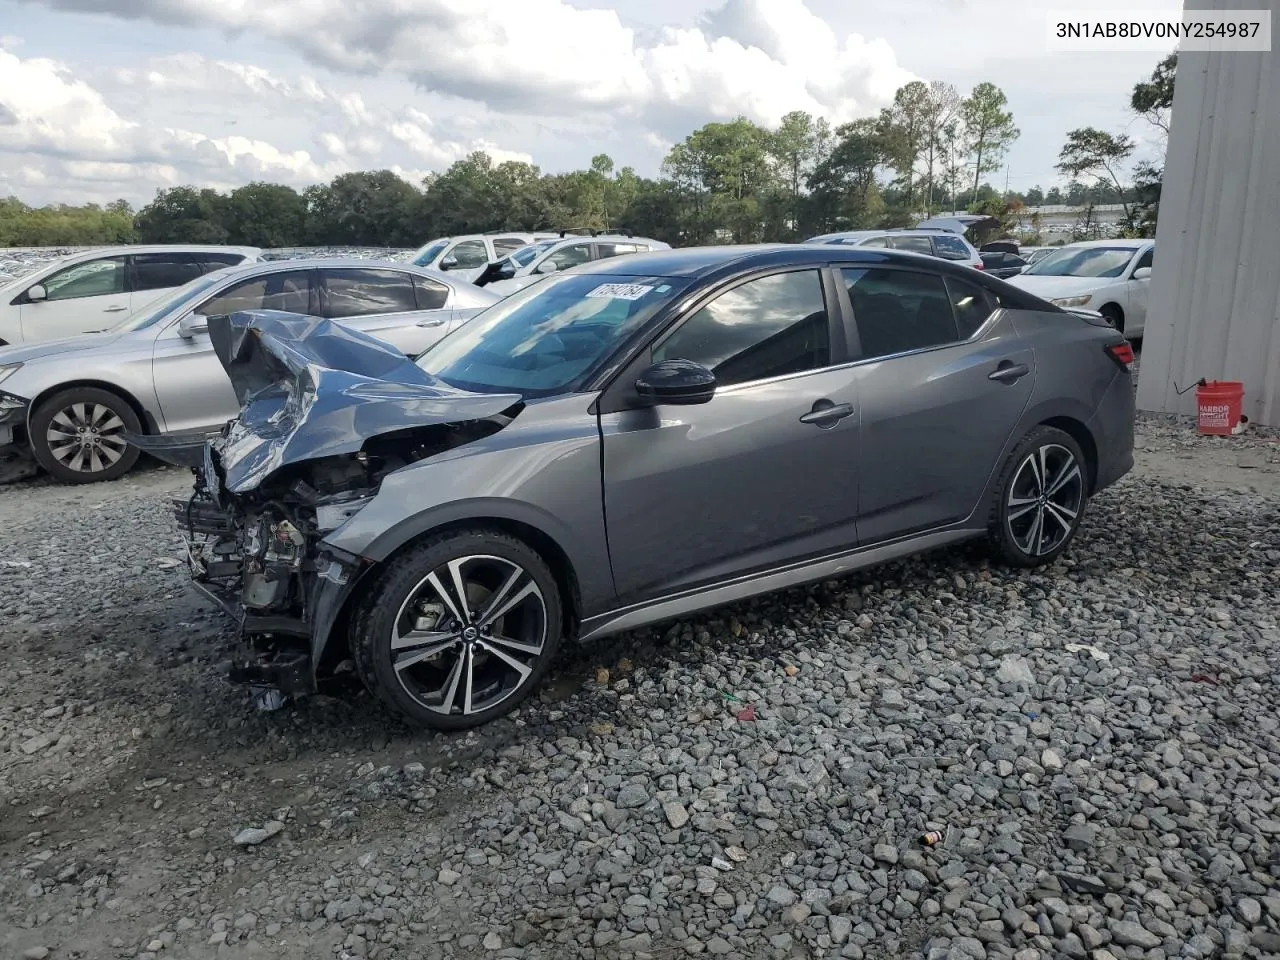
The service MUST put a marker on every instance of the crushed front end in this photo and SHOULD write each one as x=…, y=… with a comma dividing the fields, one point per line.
x=326, y=413
x=262, y=559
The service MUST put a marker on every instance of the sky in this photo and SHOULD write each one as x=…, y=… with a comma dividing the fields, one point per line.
x=101, y=99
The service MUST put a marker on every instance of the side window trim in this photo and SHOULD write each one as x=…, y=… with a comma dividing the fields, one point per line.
x=836, y=333
x=851, y=332
x=417, y=282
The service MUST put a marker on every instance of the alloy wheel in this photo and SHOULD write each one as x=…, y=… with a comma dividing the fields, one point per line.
x=469, y=635
x=1045, y=500
x=86, y=437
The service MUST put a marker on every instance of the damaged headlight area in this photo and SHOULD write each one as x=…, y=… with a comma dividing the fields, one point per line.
x=327, y=412
x=262, y=558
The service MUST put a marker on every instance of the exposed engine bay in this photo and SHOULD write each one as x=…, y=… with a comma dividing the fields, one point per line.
x=259, y=555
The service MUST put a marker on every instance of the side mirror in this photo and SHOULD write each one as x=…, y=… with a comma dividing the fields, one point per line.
x=547, y=266
x=678, y=382
x=1142, y=273
x=449, y=262
x=192, y=324
x=36, y=292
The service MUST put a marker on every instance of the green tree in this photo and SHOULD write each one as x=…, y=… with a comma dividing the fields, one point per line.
x=942, y=107
x=989, y=130
x=1153, y=98
x=1100, y=155
x=265, y=215
x=797, y=147
x=844, y=193
x=906, y=129
x=183, y=215
x=1034, y=197
x=372, y=208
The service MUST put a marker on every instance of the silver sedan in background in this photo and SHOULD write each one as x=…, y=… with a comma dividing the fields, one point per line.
x=65, y=405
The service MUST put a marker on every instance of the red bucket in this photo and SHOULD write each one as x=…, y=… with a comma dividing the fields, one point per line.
x=1218, y=404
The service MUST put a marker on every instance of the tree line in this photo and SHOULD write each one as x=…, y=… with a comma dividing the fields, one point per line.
x=734, y=181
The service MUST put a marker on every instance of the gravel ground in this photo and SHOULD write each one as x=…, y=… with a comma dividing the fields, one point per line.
x=1098, y=744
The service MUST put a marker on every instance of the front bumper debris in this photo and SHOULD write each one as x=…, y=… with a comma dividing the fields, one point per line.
x=16, y=461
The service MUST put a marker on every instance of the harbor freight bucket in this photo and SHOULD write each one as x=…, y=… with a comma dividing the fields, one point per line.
x=1218, y=404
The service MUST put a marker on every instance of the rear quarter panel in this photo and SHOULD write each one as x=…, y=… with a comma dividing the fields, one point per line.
x=1075, y=379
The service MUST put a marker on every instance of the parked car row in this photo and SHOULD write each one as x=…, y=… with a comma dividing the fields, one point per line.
x=66, y=401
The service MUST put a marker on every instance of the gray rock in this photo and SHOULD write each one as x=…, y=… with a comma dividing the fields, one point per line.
x=631, y=796
x=1130, y=934
x=1015, y=669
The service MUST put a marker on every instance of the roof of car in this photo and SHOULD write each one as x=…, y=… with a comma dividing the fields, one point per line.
x=1119, y=242
x=332, y=263
x=702, y=262
x=127, y=248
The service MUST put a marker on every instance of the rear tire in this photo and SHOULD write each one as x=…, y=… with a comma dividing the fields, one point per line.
x=75, y=435
x=1040, y=499
x=459, y=630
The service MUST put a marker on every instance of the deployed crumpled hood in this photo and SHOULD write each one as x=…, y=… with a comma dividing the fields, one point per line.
x=312, y=388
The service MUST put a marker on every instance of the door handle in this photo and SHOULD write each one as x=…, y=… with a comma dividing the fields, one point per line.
x=1009, y=372
x=113, y=309
x=432, y=322
x=826, y=414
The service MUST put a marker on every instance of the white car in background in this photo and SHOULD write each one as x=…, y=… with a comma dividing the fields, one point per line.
x=1111, y=277
x=93, y=290
x=531, y=263
x=932, y=242
x=465, y=257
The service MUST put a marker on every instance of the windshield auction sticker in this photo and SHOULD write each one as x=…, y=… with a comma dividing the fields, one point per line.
x=621, y=291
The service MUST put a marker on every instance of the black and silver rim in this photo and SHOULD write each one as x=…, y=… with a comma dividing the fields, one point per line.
x=86, y=437
x=1045, y=500
x=469, y=635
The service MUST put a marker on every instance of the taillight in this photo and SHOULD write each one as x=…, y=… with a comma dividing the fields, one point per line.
x=1121, y=353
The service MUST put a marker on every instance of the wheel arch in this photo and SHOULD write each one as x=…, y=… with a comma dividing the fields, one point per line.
x=328, y=650
x=148, y=421
x=1113, y=305
x=1082, y=435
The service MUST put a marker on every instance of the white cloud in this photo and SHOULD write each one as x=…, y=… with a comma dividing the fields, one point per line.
x=184, y=118
x=759, y=57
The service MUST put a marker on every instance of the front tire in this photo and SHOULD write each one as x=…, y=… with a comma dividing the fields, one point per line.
x=1114, y=316
x=77, y=435
x=459, y=630
x=1040, y=499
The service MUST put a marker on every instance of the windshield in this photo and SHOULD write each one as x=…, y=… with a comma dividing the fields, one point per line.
x=524, y=256
x=157, y=310
x=546, y=339
x=1084, y=262
x=429, y=252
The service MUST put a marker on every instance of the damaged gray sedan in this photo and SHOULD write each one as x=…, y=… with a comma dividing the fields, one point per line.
x=626, y=442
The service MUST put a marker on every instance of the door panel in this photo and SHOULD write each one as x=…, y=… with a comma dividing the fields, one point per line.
x=82, y=298
x=704, y=492
x=933, y=427
x=741, y=483
x=933, y=421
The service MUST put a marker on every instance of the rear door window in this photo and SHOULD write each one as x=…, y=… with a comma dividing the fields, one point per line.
x=913, y=245
x=161, y=271
x=361, y=292
x=899, y=311
x=429, y=294
x=503, y=246
x=951, y=248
